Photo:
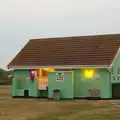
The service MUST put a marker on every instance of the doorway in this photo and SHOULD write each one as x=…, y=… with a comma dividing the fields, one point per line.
x=26, y=93
x=116, y=90
x=43, y=78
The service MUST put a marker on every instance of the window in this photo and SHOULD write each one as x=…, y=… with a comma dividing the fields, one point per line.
x=118, y=71
x=112, y=74
x=113, y=77
x=89, y=73
x=118, y=74
x=118, y=77
x=112, y=71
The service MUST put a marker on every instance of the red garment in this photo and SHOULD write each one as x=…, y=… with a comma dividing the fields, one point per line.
x=36, y=73
x=32, y=76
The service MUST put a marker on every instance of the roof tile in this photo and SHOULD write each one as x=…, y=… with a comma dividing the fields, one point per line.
x=83, y=50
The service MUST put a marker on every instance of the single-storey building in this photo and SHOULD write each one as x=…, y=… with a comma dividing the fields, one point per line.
x=80, y=67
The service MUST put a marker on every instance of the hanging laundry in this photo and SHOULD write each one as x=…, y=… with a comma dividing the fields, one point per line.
x=32, y=75
x=36, y=73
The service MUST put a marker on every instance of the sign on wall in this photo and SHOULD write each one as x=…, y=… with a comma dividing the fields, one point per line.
x=59, y=76
x=97, y=75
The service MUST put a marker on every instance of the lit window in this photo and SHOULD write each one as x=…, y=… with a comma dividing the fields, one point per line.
x=89, y=73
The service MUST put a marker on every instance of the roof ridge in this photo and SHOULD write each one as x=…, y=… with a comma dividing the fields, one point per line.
x=55, y=38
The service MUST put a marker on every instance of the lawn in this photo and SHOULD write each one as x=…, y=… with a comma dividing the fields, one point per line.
x=43, y=109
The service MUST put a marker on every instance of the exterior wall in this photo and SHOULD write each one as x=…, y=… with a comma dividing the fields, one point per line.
x=115, y=67
x=66, y=86
x=81, y=84
x=19, y=86
x=72, y=87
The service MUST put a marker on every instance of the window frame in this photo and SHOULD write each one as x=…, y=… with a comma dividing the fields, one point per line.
x=113, y=77
x=118, y=71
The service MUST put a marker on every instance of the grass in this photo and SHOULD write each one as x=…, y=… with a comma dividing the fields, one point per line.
x=43, y=109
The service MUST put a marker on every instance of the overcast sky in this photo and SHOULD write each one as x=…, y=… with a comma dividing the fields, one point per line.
x=21, y=20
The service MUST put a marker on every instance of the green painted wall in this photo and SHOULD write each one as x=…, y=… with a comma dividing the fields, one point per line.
x=69, y=88
x=19, y=86
x=81, y=84
x=66, y=87
x=115, y=67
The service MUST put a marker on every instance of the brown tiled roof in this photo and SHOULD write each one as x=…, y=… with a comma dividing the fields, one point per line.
x=83, y=50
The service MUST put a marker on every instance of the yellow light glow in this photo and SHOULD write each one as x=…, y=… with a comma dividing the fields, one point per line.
x=43, y=79
x=46, y=69
x=21, y=78
x=89, y=73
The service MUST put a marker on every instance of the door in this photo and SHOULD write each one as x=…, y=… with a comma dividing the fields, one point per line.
x=116, y=90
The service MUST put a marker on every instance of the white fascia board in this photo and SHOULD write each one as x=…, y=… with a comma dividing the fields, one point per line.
x=60, y=66
x=115, y=58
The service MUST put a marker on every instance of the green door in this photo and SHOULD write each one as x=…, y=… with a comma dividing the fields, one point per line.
x=63, y=81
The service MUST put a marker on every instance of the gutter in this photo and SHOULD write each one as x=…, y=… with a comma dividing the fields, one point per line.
x=59, y=66
x=109, y=81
